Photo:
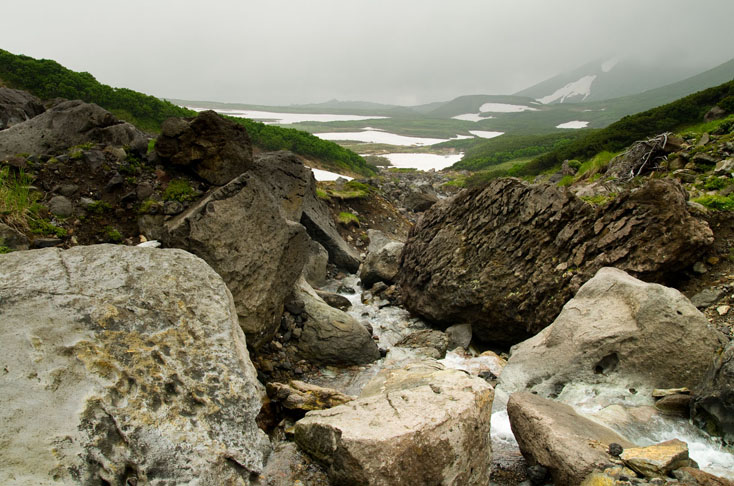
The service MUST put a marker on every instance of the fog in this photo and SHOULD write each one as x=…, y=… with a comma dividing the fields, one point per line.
x=397, y=51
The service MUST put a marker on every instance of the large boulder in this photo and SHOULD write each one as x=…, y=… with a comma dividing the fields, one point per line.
x=68, y=124
x=123, y=365
x=617, y=330
x=421, y=425
x=216, y=149
x=553, y=435
x=295, y=186
x=331, y=336
x=17, y=106
x=506, y=257
x=713, y=403
x=240, y=231
x=383, y=260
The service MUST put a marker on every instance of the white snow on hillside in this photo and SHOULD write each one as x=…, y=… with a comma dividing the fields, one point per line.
x=574, y=124
x=582, y=87
x=472, y=117
x=607, y=66
x=503, y=108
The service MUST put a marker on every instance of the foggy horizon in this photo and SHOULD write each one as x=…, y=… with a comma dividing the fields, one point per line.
x=404, y=53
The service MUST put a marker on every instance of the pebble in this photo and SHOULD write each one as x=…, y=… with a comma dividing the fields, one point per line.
x=723, y=310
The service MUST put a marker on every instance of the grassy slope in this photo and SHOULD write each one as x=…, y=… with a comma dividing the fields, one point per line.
x=48, y=79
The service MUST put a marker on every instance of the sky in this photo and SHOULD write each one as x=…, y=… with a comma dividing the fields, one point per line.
x=280, y=52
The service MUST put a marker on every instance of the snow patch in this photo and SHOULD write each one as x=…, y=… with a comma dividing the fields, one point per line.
x=504, y=108
x=574, y=124
x=607, y=66
x=581, y=87
x=472, y=117
x=325, y=175
x=485, y=134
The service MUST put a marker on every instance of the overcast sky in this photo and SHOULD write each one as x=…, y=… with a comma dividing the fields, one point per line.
x=392, y=51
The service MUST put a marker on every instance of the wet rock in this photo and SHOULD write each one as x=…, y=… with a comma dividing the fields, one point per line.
x=677, y=405
x=712, y=407
x=331, y=336
x=428, y=342
x=492, y=256
x=298, y=395
x=17, y=106
x=287, y=466
x=459, y=336
x=314, y=271
x=383, y=260
x=61, y=206
x=657, y=461
x=134, y=361
x=690, y=475
x=335, y=300
x=421, y=425
x=258, y=253
x=553, y=435
x=68, y=124
x=617, y=330
x=216, y=149
x=13, y=239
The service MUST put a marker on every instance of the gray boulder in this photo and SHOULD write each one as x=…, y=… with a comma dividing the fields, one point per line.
x=123, y=365
x=331, y=336
x=459, y=336
x=314, y=271
x=421, y=425
x=553, y=435
x=61, y=206
x=617, y=330
x=17, y=106
x=507, y=256
x=216, y=149
x=383, y=260
x=239, y=230
x=68, y=124
x=12, y=238
x=428, y=342
x=712, y=407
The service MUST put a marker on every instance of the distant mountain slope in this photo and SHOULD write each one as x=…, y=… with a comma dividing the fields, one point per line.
x=473, y=103
x=605, y=79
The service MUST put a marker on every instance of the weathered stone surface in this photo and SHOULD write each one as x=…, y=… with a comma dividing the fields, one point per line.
x=67, y=124
x=287, y=466
x=13, y=239
x=17, y=106
x=123, y=365
x=298, y=395
x=331, y=336
x=422, y=425
x=554, y=435
x=459, y=336
x=294, y=185
x=617, y=330
x=657, y=461
x=257, y=252
x=690, y=475
x=314, y=271
x=428, y=342
x=713, y=404
x=714, y=113
x=678, y=405
x=216, y=149
x=335, y=300
x=61, y=206
x=506, y=257
x=382, y=264
x=724, y=167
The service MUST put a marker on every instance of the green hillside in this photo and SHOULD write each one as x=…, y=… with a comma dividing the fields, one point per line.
x=48, y=79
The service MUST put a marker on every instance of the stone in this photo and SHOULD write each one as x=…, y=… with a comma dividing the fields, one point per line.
x=427, y=342
x=707, y=297
x=705, y=138
x=216, y=149
x=298, y=395
x=68, y=124
x=68, y=190
x=676, y=405
x=459, y=336
x=666, y=392
x=287, y=466
x=171, y=208
x=38, y=243
x=331, y=336
x=419, y=425
x=12, y=238
x=703, y=160
x=616, y=330
x=724, y=168
x=657, y=461
x=714, y=113
x=335, y=300
x=691, y=475
x=712, y=407
x=382, y=264
x=723, y=310
x=507, y=256
x=143, y=191
x=123, y=365
x=314, y=271
x=61, y=206
x=553, y=435
x=258, y=253
x=17, y=106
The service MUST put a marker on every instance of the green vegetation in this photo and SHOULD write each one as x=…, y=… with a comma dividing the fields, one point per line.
x=350, y=190
x=4, y=249
x=593, y=166
x=686, y=111
x=41, y=226
x=348, y=218
x=18, y=203
x=179, y=190
x=112, y=234
x=99, y=207
x=717, y=202
x=566, y=181
x=600, y=199
x=322, y=194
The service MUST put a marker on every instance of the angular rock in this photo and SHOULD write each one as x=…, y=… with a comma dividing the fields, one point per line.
x=123, y=365
x=298, y=395
x=714, y=113
x=216, y=149
x=68, y=124
x=459, y=336
x=13, y=239
x=17, y=106
x=381, y=264
x=677, y=405
x=657, y=461
x=712, y=407
x=554, y=435
x=314, y=271
x=61, y=206
x=617, y=330
x=707, y=297
x=690, y=475
x=428, y=342
x=335, y=300
x=257, y=252
x=724, y=168
x=506, y=257
x=331, y=336
x=422, y=425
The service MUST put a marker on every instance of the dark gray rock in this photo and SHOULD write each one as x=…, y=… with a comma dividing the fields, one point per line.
x=68, y=190
x=707, y=297
x=216, y=149
x=316, y=266
x=459, y=336
x=715, y=113
x=17, y=106
x=492, y=256
x=712, y=407
x=143, y=191
x=12, y=238
x=61, y=206
x=383, y=259
x=335, y=300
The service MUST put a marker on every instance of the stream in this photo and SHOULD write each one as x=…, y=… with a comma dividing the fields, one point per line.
x=615, y=407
